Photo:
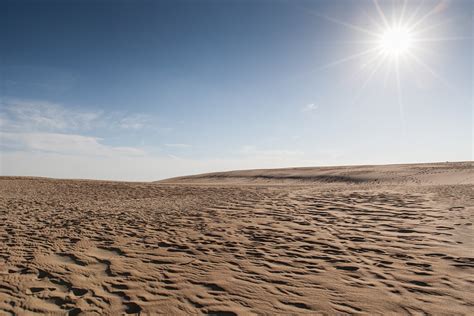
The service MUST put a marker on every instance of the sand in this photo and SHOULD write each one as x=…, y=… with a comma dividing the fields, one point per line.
x=350, y=240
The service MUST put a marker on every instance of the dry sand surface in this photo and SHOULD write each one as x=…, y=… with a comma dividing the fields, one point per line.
x=349, y=240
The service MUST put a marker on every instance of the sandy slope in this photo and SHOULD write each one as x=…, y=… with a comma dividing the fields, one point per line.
x=342, y=247
x=430, y=173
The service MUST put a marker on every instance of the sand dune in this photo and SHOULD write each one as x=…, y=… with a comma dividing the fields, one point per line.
x=429, y=173
x=333, y=241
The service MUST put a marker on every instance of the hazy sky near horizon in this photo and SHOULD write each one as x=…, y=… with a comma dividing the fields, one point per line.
x=144, y=90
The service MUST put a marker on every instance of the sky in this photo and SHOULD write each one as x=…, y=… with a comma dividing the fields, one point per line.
x=146, y=90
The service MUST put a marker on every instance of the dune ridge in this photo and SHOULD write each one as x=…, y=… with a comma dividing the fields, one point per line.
x=428, y=173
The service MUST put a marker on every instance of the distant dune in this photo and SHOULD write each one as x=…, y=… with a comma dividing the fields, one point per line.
x=427, y=174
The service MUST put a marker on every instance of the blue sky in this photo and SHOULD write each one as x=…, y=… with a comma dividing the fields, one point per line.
x=144, y=90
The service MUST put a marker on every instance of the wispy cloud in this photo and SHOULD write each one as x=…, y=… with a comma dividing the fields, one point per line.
x=36, y=115
x=135, y=121
x=130, y=167
x=70, y=144
x=47, y=139
x=309, y=107
x=31, y=115
x=36, y=126
x=178, y=145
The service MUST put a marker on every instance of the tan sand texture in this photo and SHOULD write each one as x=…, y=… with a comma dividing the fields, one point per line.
x=383, y=240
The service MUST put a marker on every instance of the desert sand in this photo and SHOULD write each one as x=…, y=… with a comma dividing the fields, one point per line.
x=395, y=239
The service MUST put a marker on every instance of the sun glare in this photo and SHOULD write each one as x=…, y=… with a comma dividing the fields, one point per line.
x=396, y=41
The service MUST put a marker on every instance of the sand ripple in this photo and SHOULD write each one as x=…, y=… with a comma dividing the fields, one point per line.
x=72, y=247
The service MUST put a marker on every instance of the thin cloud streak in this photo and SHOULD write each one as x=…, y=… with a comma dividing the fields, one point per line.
x=178, y=145
x=64, y=144
x=310, y=107
x=32, y=115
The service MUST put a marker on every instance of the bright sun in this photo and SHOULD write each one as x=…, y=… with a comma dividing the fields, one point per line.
x=396, y=41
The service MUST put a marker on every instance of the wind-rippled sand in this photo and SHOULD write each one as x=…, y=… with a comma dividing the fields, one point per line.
x=328, y=245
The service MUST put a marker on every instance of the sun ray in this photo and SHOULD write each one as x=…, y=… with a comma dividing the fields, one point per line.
x=373, y=60
x=348, y=58
x=387, y=73
x=399, y=97
x=442, y=39
x=370, y=62
x=429, y=69
x=420, y=31
x=381, y=59
x=381, y=14
x=378, y=25
x=402, y=14
x=415, y=13
x=424, y=17
x=454, y=89
x=348, y=25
